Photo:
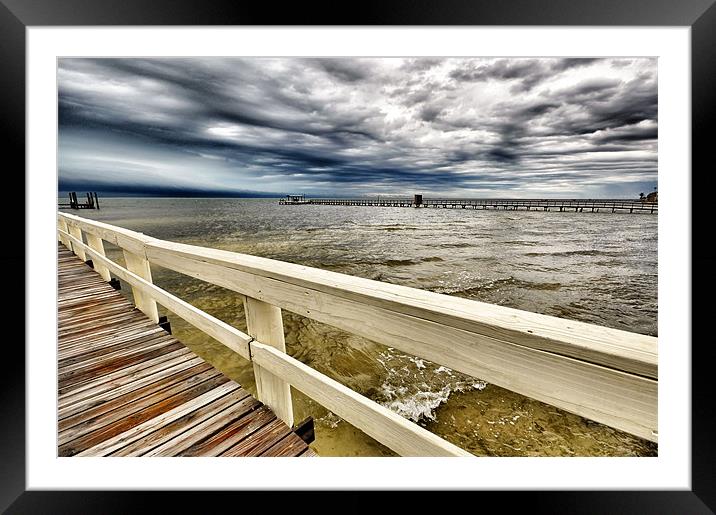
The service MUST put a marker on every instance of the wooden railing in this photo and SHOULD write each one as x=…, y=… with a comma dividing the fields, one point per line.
x=603, y=374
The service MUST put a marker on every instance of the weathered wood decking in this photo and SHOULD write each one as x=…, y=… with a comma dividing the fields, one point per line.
x=126, y=387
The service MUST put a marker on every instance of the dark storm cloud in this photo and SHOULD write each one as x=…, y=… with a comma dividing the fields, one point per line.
x=362, y=126
x=529, y=72
x=344, y=69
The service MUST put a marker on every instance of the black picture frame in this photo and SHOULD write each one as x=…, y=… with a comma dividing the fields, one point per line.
x=699, y=15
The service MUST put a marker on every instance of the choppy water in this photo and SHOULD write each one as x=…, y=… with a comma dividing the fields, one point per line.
x=594, y=267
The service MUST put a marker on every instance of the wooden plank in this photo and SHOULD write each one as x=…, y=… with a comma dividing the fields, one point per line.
x=389, y=428
x=118, y=441
x=264, y=322
x=73, y=428
x=109, y=296
x=260, y=441
x=182, y=431
x=98, y=353
x=206, y=427
x=290, y=445
x=120, y=356
x=125, y=378
x=109, y=340
x=139, y=265
x=88, y=326
x=105, y=301
x=230, y=435
x=623, y=350
x=108, y=400
x=102, y=368
x=154, y=415
x=92, y=320
x=104, y=337
x=163, y=361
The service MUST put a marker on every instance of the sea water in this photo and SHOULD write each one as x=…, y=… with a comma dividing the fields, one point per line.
x=599, y=268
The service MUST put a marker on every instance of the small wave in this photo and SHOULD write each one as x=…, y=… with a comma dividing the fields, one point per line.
x=462, y=245
x=431, y=259
x=496, y=284
x=523, y=243
x=392, y=229
x=415, y=387
x=419, y=405
x=574, y=253
x=330, y=419
x=399, y=262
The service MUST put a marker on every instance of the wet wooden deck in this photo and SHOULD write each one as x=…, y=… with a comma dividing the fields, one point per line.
x=126, y=387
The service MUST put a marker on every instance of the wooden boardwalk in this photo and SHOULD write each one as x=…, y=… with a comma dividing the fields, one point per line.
x=126, y=387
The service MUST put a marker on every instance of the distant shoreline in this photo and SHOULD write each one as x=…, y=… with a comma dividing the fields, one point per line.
x=63, y=195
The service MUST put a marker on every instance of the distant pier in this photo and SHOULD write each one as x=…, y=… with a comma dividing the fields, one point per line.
x=561, y=205
x=91, y=203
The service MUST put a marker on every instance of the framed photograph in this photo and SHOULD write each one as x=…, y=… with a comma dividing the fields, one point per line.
x=512, y=107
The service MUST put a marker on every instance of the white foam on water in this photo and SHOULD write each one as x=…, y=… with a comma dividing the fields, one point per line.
x=416, y=387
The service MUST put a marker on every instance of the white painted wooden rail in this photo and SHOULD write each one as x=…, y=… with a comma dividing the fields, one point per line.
x=603, y=374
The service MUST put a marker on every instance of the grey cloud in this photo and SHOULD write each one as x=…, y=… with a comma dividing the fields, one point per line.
x=325, y=125
x=529, y=72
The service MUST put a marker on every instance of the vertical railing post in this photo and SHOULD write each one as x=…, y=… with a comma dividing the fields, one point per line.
x=95, y=242
x=62, y=225
x=140, y=266
x=76, y=232
x=264, y=323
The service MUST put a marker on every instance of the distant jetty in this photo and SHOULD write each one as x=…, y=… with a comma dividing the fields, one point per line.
x=417, y=201
x=92, y=201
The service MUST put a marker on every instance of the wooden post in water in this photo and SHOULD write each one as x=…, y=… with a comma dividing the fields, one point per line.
x=96, y=198
x=95, y=242
x=264, y=323
x=140, y=266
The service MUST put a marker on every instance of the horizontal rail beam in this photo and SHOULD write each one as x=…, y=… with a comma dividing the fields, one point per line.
x=128, y=240
x=614, y=348
x=404, y=437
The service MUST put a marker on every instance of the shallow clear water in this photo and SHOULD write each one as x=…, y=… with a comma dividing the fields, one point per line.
x=594, y=267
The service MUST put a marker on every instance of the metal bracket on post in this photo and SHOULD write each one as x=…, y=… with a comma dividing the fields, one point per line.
x=165, y=324
x=305, y=430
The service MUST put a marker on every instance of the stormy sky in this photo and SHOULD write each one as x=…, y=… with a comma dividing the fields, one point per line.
x=468, y=127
